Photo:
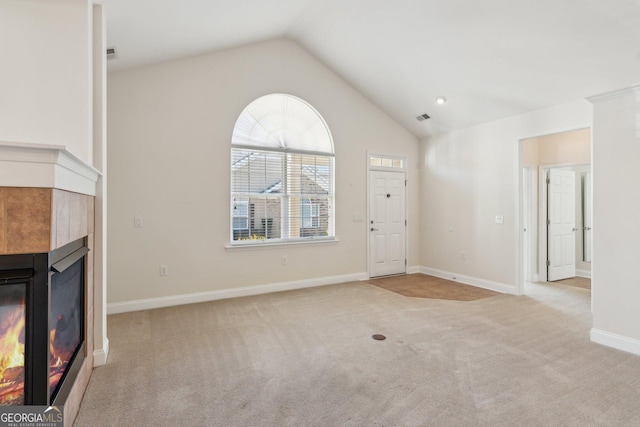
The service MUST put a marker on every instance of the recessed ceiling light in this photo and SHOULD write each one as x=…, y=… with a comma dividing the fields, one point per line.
x=441, y=100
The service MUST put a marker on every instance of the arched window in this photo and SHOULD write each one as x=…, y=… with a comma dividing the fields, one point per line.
x=282, y=169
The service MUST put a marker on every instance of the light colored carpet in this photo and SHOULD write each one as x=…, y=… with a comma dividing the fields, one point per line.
x=425, y=286
x=306, y=358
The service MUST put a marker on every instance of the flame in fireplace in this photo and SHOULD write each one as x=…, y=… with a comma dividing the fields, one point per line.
x=60, y=350
x=55, y=358
x=12, y=354
x=12, y=330
x=12, y=340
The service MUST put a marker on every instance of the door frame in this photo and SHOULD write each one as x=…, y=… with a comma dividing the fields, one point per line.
x=519, y=200
x=403, y=170
x=530, y=223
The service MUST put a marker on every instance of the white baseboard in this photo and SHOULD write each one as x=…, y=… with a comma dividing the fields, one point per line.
x=583, y=273
x=100, y=356
x=619, y=342
x=151, y=303
x=413, y=269
x=467, y=280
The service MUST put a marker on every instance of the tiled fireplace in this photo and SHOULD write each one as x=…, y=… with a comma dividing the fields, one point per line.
x=46, y=277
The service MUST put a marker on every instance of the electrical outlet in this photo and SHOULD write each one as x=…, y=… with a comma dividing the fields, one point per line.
x=499, y=219
x=284, y=260
x=137, y=222
x=164, y=270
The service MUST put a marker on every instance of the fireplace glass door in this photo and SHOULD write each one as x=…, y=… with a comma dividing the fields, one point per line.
x=65, y=321
x=12, y=342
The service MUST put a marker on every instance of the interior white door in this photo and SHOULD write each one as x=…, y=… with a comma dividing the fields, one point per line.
x=561, y=225
x=387, y=225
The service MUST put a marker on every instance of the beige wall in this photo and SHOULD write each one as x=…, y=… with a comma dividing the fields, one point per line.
x=169, y=133
x=560, y=148
x=616, y=229
x=45, y=77
x=470, y=176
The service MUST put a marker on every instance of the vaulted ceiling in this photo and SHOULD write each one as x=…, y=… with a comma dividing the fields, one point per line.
x=490, y=59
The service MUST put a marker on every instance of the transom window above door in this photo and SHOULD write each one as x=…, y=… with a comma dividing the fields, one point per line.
x=282, y=173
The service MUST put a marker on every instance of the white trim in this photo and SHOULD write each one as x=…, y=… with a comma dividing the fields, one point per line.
x=473, y=281
x=280, y=243
x=371, y=154
x=267, y=149
x=414, y=269
x=45, y=166
x=616, y=341
x=633, y=90
x=543, y=255
x=518, y=209
x=151, y=303
x=530, y=237
x=101, y=355
x=583, y=273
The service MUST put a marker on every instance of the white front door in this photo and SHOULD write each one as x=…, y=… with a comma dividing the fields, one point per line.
x=387, y=225
x=561, y=225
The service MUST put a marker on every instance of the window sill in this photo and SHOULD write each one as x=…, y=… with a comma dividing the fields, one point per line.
x=311, y=242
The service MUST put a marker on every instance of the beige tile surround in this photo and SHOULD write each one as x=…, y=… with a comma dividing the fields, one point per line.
x=38, y=220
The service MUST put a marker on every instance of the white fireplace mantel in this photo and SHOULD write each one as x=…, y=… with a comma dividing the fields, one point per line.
x=49, y=166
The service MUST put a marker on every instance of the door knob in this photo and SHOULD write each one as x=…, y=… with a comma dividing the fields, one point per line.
x=374, y=229
x=587, y=228
x=573, y=229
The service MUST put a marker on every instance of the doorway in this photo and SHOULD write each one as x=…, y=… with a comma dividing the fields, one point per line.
x=387, y=216
x=565, y=252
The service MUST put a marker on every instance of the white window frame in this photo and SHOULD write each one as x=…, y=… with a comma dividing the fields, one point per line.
x=259, y=129
x=285, y=198
x=387, y=162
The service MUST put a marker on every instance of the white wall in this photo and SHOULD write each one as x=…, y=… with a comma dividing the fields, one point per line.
x=616, y=228
x=169, y=132
x=470, y=176
x=45, y=77
x=47, y=89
